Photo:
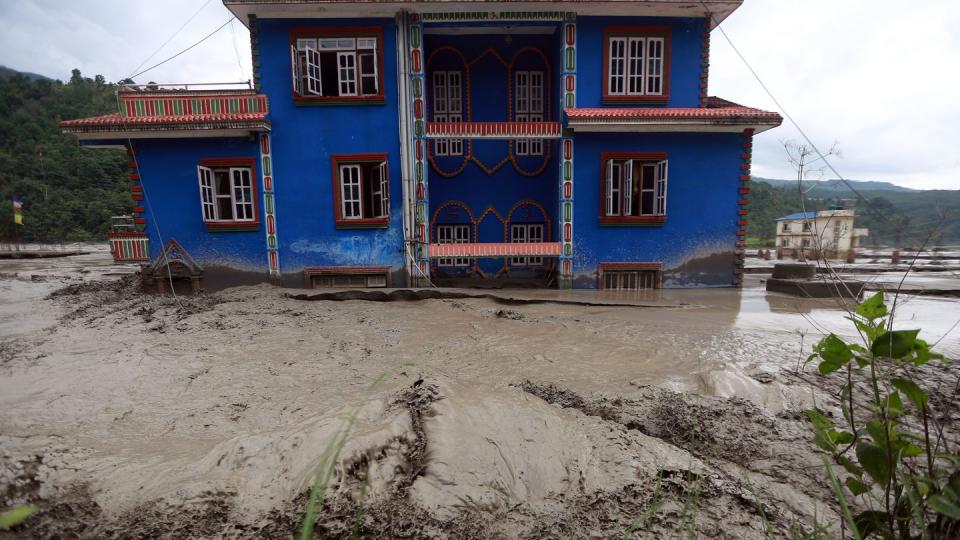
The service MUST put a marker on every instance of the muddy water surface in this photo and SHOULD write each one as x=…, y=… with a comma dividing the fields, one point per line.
x=208, y=415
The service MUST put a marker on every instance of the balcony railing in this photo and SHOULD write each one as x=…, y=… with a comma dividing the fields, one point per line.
x=494, y=250
x=494, y=130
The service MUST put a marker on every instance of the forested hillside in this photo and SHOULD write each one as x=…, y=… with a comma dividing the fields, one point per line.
x=915, y=213
x=68, y=193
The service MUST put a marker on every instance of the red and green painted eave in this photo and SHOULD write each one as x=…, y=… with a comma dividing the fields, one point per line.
x=145, y=113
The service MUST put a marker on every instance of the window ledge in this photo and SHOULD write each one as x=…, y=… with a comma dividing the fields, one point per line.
x=617, y=100
x=633, y=221
x=232, y=226
x=320, y=101
x=378, y=223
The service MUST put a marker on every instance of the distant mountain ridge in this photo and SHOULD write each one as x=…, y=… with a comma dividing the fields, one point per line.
x=9, y=72
x=837, y=185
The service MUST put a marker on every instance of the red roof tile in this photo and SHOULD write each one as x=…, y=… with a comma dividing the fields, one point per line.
x=716, y=110
x=208, y=121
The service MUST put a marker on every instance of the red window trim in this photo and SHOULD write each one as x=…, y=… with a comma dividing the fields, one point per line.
x=638, y=266
x=353, y=31
x=311, y=271
x=643, y=31
x=652, y=221
x=230, y=226
x=368, y=223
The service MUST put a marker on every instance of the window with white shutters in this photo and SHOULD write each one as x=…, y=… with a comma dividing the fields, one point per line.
x=529, y=107
x=634, y=188
x=363, y=191
x=636, y=64
x=226, y=194
x=447, y=107
x=336, y=67
x=526, y=233
x=453, y=234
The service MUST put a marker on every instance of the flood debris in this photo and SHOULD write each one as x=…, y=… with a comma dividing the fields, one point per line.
x=133, y=415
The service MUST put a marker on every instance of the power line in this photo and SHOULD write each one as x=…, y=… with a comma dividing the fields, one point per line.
x=184, y=25
x=204, y=38
x=789, y=117
x=233, y=39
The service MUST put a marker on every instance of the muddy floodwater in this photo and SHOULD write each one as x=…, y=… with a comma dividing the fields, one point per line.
x=526, y=414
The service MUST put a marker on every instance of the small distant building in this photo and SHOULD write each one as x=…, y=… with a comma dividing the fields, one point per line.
x=798, y=234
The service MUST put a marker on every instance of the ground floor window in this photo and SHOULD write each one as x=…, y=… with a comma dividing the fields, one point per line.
x=362, y=190
x=634, y=187
x=453, y=234
x=630, y=276
x=526, y=232
x=346, y=277
x=227, y=191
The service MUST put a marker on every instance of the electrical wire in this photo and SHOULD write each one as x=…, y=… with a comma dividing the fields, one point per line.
x=233, y=39
x=204, y=38
x=184, y=25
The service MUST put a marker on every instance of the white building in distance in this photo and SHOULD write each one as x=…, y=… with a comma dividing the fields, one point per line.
x=803, y=235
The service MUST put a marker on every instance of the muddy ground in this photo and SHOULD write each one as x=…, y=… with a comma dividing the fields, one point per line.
x=136, y=416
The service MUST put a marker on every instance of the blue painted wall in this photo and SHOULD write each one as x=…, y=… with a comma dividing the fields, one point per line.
x=168, y=173
x=304, y=140
x=490, y=102
x=686, y=47
x=696, y=243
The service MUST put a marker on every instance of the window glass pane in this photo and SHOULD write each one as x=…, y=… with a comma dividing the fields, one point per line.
x=646, y=203
x=225, y=208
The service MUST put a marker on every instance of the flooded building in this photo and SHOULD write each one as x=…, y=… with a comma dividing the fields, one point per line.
x=827, y=233
x=556, y=144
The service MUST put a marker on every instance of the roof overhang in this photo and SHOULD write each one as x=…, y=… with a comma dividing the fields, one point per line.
x=661, y=126
x=123, y=134
x=285, y=9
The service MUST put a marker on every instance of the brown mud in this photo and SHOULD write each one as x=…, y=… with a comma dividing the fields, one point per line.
x=137, y=416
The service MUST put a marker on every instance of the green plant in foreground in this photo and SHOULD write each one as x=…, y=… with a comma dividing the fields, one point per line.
x=328, y=462
x=894, y=456
x=15, y=516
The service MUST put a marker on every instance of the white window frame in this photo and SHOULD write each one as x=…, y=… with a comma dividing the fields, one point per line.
x=526, y=233
x=528, y=106
x=379, y=194
x=241, y=179
x=453, y=234
x=636, y=65
x=622, y=174
x=447, y=107
x=354, y=180
x=306, y=69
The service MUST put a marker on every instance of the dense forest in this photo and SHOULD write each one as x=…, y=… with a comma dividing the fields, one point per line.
x=929, y=217
x=68, y=193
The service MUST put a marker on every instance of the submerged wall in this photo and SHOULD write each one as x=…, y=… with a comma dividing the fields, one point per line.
x=696, y=242
x=306, y=137
x=168, y=174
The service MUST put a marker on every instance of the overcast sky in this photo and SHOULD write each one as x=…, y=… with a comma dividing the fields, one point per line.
x=881, y=77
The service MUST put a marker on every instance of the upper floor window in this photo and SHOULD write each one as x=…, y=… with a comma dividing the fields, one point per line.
x=448, y=107
x=453, y=234
x=635, y=188
x=636, y=63
x=337, y=65
x=806, y=226
x=528, y=92
x=227, y=193
x=786, y=227
x=526, y=232
x=362, y=190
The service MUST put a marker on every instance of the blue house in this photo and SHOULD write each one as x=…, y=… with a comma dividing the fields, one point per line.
x=459, y=143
